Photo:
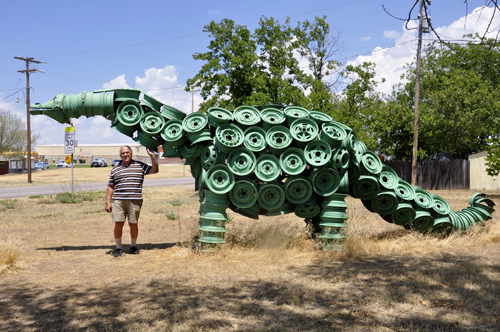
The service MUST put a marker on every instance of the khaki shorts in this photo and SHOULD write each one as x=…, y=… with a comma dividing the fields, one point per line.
x=126, y=208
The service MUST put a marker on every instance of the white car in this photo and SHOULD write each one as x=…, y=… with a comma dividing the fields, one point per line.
x=62, y=164
x=41, y=165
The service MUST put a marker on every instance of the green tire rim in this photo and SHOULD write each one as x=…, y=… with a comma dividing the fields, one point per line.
x=360, y=148
x=267, y=168
x=283, y=209
x=124, y=129
x=309, y=209
x=191, y=152
x=344, y=183
x=423, y=220
x=333, y=133
x=173, y=133
x=241, y=161
x=340, y=159
x=404, y=215
x=388, y=178
x=334, y=201
x=271, y=196
x=228, y=136
x=255, y=139
x=278, y=138
x=366, y=188
x=211, y=156
x=129, y=113
x=320, y=117
x=440, y=205
x=244, y=193
x=298, y=189
x=350, y=143
x=170, y=112
x=220, y=179
x=127, y=94
x=200, y=136
x=325, y=181
x=442, y=225
x=354, y=171
x=272, y=117
x=303, y=131
x=147, y=141
x=152, y=123
x=404, y=190
x=251, y=212
x=385, y=203
x=170, y=151
x=371, y=163
x=292, y=161
x=318, y=153
x=218, y=116
x=195, y=122
x=295, y=112
x=423, y=199
x=247, y=116
x=152, y=102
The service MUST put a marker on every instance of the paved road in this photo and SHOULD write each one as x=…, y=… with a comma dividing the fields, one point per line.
x=13, y=192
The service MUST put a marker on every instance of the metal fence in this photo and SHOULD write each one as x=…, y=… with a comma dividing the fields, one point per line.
x=436, y=175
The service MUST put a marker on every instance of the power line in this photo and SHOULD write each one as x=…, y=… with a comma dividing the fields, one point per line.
x=11, y=94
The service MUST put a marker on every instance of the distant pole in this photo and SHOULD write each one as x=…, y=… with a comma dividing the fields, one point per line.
x=192, y=99
x=27, y=72
x=417, y=97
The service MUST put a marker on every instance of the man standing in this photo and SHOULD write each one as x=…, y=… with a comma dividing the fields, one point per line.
x=125, y=188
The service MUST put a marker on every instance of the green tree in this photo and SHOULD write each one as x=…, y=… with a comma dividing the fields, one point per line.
x=359, y=104
x=319, y=45
x=245, y=68
x=459, y=104
x=13, y=134
x=230, y=70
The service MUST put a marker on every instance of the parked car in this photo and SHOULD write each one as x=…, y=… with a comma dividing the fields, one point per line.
x=115, y=162
x=41, y=165
x=98, y=162
x=62, y=164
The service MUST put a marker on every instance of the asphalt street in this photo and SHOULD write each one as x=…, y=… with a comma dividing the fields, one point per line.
x=15, y=192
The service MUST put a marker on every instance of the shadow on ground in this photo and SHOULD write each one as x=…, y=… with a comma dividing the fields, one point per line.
x=447, y=293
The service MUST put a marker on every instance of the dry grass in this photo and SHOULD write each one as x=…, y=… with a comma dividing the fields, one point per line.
x=270, y=276
x=10, y=250
x=81, y=175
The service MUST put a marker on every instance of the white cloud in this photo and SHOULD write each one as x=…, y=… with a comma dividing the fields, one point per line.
x=213, y=11
x=119, y=82
x=365, y=38
x=390, y=61
x=391, y=34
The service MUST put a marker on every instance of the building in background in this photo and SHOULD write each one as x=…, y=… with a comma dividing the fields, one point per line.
x=84, y=153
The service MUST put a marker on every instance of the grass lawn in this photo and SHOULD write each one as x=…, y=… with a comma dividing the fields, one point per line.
x=82, y=175
x=270, y=276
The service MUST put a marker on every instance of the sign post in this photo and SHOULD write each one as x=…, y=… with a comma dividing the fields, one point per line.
x=69, y=147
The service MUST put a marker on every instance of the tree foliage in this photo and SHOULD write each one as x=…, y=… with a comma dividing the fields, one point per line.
x=459, y=104
x=13, y=134
x=262, y=67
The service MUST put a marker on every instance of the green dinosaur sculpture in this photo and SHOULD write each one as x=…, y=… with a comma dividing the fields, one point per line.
x=270, y=160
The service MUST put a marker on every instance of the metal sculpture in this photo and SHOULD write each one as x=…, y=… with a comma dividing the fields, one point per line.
x=270, y=160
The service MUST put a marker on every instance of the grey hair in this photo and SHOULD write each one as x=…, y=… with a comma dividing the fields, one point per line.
x=125, y=146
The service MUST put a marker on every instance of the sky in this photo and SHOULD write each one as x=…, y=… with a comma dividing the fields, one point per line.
x=150, y=45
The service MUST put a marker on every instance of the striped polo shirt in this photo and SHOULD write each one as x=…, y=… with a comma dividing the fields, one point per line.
x=127, y=180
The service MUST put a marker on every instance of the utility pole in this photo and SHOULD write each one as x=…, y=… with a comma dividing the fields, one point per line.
x=27, y=72
x=417, y=96
x=192, y=99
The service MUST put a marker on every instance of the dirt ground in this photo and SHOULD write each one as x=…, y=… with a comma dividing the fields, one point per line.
x=389, y=279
